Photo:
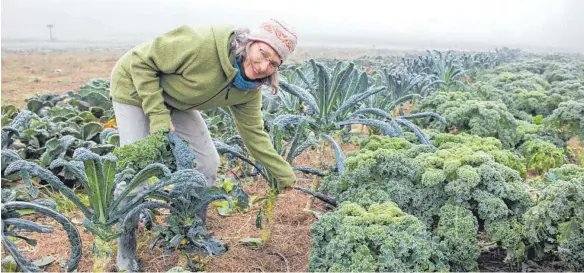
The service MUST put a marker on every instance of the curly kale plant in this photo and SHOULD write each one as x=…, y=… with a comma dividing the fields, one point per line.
x=457, y=228
x=556, y=223
x=559, y=72
x=151, y=149
x=542, y=155
x=537, y=131
x=489, y=145
x=382, y=238
x=422, y=179
x=568, y=119
x=568, y=90
x=532, y=103
x=465, y=114
x=508, y=81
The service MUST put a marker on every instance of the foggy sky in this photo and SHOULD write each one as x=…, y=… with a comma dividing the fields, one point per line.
x=552, y=24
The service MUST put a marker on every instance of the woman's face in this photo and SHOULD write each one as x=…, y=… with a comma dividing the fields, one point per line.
x=261, y=61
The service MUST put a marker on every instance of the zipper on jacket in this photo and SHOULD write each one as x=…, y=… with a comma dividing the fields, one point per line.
x=228, y=89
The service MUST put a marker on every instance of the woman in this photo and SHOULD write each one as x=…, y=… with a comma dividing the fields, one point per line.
x=161, y=85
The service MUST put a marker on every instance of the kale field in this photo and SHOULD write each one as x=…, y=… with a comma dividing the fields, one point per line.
x=433, y=161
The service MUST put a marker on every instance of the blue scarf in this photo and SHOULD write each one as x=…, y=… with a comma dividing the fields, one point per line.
x=240, y=83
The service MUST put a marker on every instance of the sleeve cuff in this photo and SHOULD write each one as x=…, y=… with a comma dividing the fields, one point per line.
x=159, y=123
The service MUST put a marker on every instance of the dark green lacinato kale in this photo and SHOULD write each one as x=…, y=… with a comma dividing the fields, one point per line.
x=151, y=149
x=382, y=238
x=555, y=224
x=185, y=230
x=333, y=95
x=422, y=179
x=12, y=224
x=21, y=119
x=98, y=176
x=183, y=154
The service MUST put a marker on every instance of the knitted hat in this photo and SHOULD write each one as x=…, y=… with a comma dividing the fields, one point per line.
x=279, y=35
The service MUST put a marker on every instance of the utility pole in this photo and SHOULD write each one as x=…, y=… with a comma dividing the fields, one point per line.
x=50, y=26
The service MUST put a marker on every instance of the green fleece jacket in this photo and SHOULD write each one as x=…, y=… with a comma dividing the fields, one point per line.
x=192, y=68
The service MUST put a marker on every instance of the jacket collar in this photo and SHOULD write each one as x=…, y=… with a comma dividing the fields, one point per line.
x=223, y=36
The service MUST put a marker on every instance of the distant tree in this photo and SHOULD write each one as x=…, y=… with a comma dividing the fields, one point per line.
x=50, y=26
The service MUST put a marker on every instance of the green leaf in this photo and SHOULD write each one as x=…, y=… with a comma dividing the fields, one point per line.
x=153, y=170
x=175, y=241
x=223, y=208
x=34, y=105
x=253, y=243
x=257, y=199
x=259, y=218
x=44, y=261
x=25, y=212
x=566, y=229
x=227, y=185
x=241, y=197
x=97, y=185
x=109, y=173
x=82, y=105
x=9, y=264
x=87, y=116
x=32, y=190
x=91, y=129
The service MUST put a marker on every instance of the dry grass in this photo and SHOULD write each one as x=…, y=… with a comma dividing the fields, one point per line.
x=24, y=75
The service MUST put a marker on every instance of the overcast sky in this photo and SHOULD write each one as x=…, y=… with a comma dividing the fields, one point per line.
x=553, y=24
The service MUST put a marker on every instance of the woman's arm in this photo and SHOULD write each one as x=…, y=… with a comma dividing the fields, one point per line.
x=249, y=122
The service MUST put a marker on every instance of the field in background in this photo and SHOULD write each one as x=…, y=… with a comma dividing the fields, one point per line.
x=36, y=68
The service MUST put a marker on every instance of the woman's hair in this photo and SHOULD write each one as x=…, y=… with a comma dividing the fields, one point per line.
x=240, y=45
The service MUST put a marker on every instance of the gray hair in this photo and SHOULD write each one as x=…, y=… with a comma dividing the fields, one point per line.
x=240, y=45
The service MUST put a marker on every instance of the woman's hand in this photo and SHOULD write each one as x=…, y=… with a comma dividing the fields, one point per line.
x=170, y=128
